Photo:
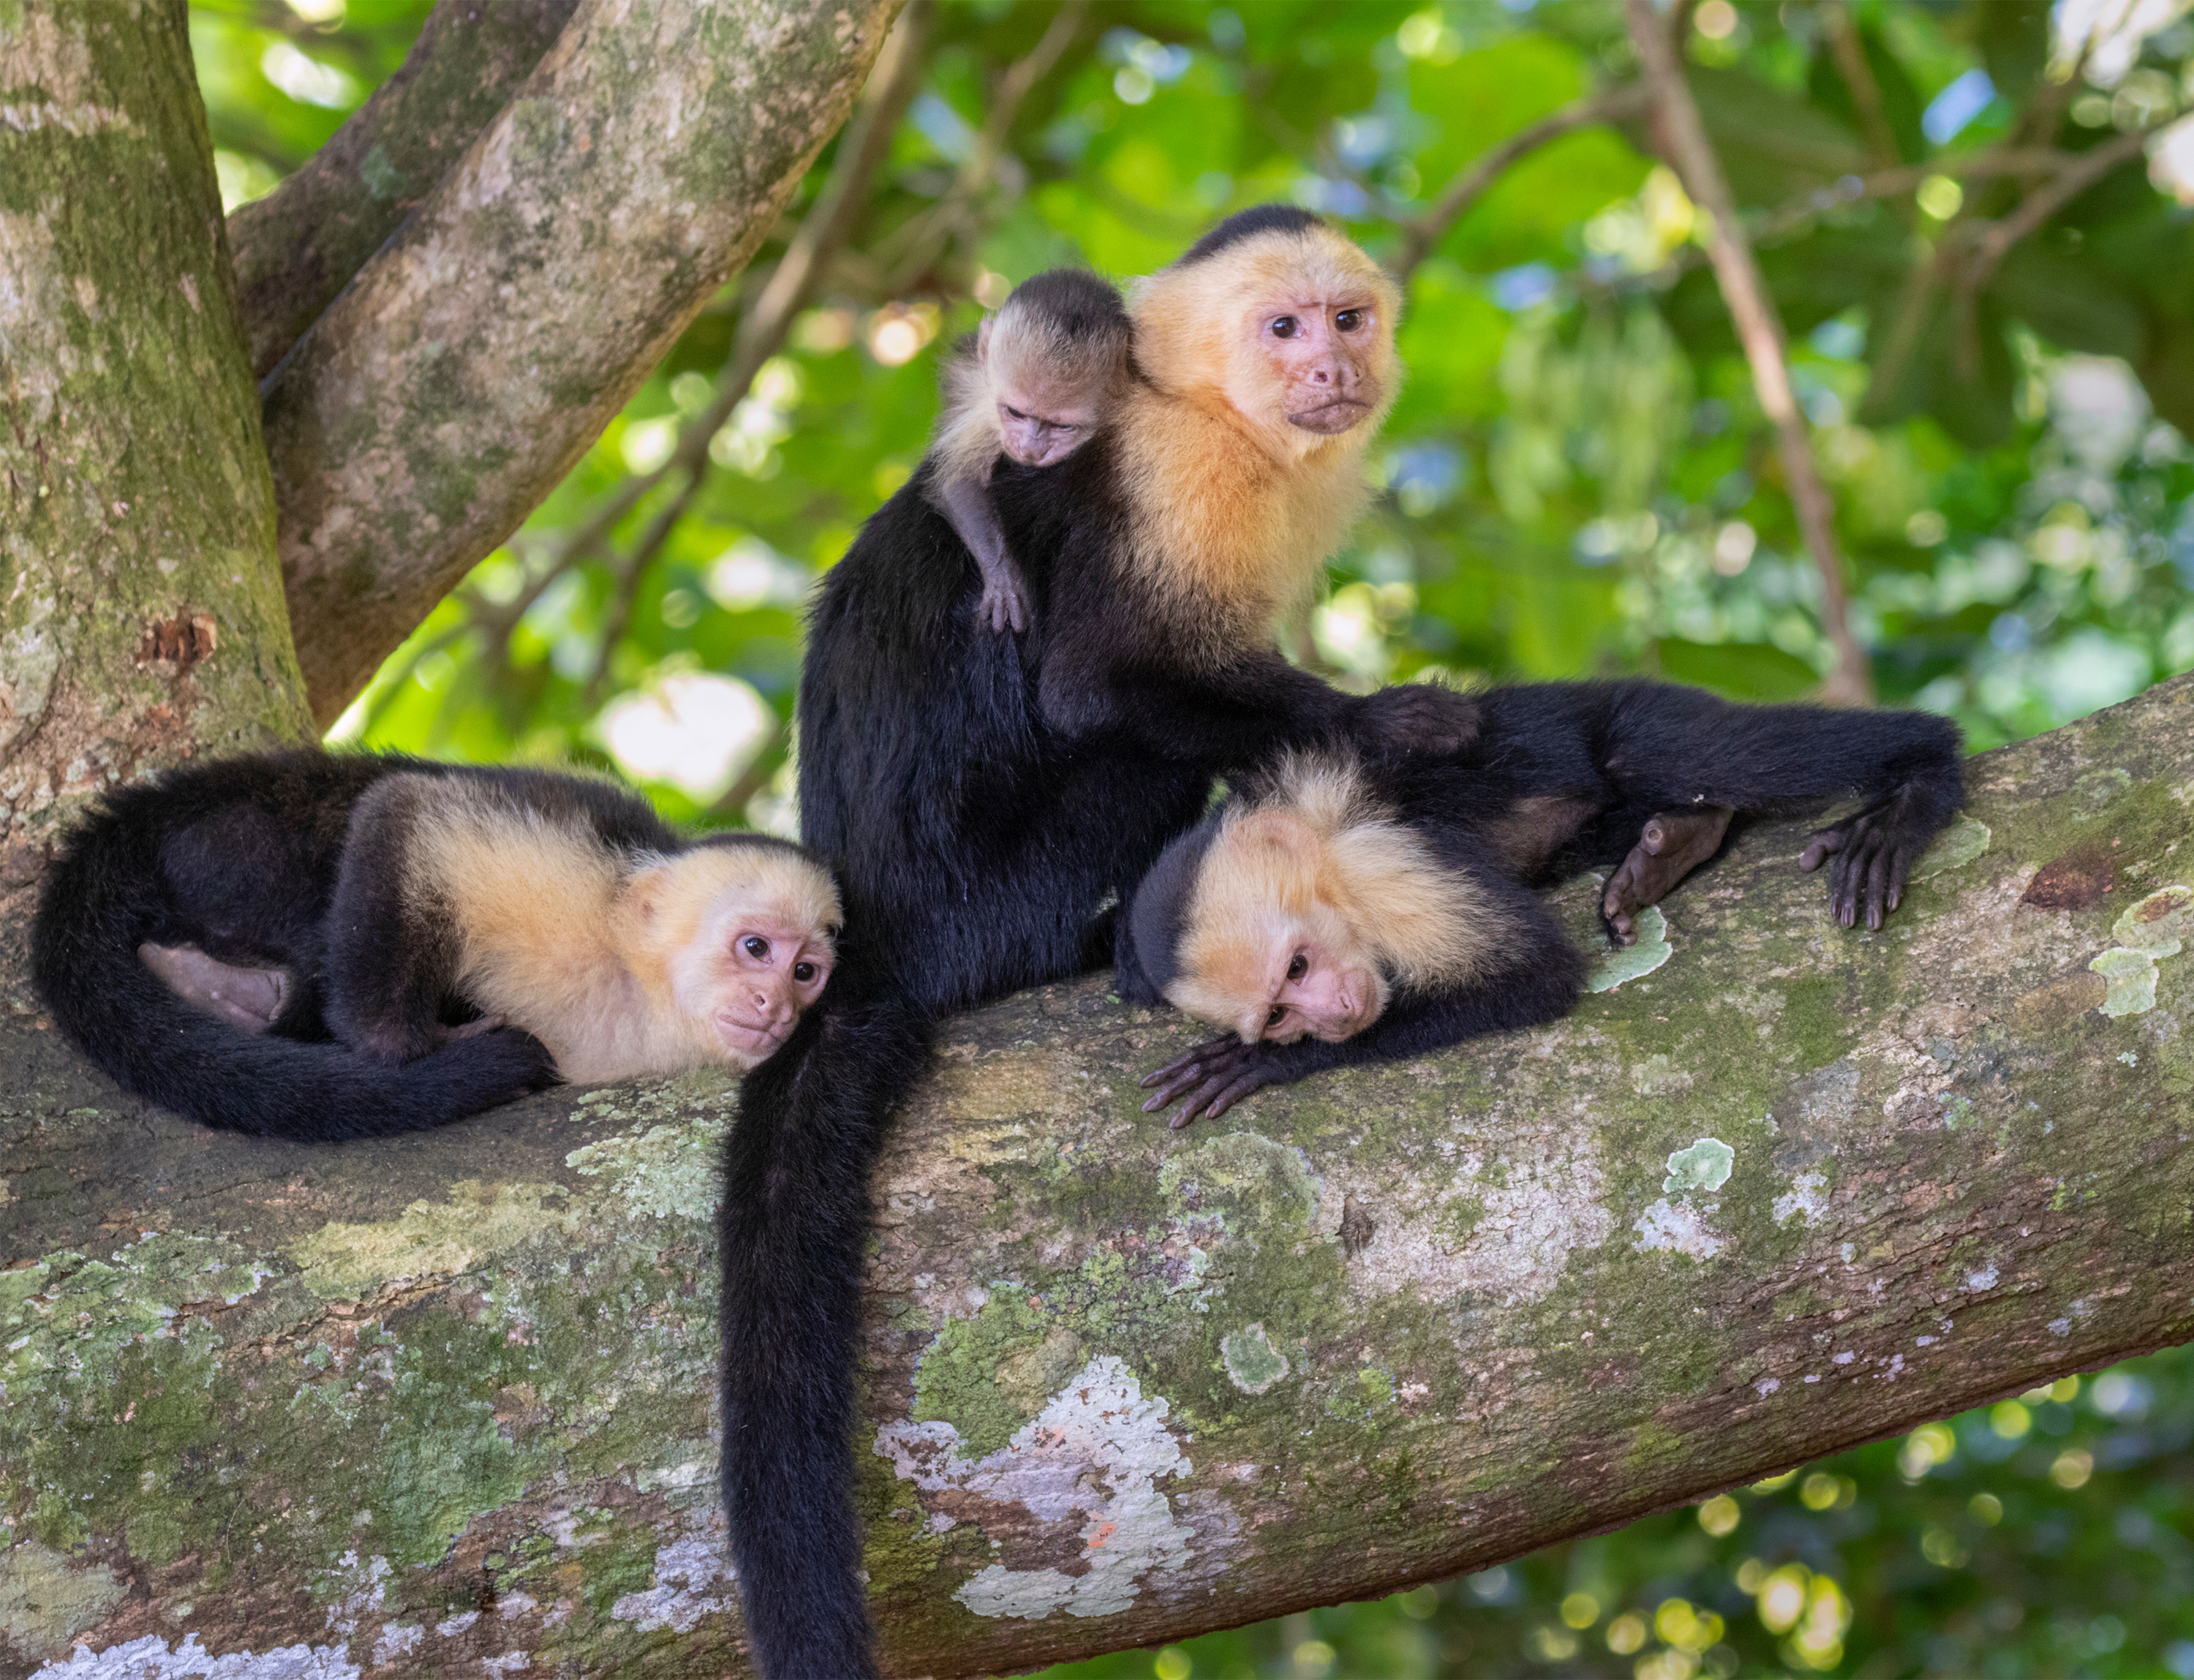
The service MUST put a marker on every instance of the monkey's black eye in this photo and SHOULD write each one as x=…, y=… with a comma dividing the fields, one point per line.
x=756, y=948
x=1274, y=1015
x=1300, y=967
x=1284, y=327
x=1349, y=320
x=803, y=972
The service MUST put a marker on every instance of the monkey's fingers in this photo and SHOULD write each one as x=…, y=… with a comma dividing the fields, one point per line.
x=1819, y=848
x=1219, y=1093
x=1005, y=606
x=1215, y=1056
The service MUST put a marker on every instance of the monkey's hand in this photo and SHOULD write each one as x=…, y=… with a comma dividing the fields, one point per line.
x=1417, y=717
x=1214, y=1077
x=1673, y=844
x=1004, y=602
x=1869, y=857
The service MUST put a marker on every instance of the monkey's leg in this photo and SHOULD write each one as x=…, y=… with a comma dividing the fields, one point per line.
x=1673, y=844
x=391, y=951
x=966, y=504
x=248, y=998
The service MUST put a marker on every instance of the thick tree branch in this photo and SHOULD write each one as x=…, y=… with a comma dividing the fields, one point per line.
x=298, y=246
x=431, y=1401
x=1683, y=139
x=440, y=396
x=1426, y=230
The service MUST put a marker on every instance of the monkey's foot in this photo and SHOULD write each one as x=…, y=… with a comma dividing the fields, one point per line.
x=248, y=998
x=1214, y=1077
x=1004, y=605
x=1672, y=845
x=1869, y=857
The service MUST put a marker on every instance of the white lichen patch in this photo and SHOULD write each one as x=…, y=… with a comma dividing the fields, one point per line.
x=1253, y=1363
x=1094, y=1452
x=150, y=1659
x=431, y=1239
x=1628, y=962
x=1502, y=1227
x=1807, y=1199
x=2132, y=982
x=1678, y=1226
x=666, y=1172
x=1704, y=1165
x=693, y=1577
x=1956, y=846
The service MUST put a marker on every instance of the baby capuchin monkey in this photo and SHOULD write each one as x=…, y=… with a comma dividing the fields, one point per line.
x=1040, y=377
x=317, y=946
x=1335, y=910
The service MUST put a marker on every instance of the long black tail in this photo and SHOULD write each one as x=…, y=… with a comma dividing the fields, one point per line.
x=796, y=1223
x=103, y=900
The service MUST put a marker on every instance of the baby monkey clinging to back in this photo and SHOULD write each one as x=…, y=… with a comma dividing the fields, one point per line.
x=1040, y=379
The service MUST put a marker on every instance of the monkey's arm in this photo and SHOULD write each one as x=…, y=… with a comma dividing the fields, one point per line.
x=1539, y=983
x=1235, y=714
x=967, y=505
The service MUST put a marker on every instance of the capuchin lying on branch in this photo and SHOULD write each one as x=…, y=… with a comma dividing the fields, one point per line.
x=1335, y=910
x=325, y=946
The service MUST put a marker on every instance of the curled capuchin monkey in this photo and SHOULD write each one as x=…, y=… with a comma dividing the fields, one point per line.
x=1333, y=911
x=317, y=946
x=1042, y=375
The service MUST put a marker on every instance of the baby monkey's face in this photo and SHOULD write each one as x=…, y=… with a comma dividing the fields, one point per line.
x=1043, y=422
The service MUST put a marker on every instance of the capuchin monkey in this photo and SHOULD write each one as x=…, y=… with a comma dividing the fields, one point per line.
x=315, y=946
x=1333, y=911
x=1039, y=376
x=983, y=799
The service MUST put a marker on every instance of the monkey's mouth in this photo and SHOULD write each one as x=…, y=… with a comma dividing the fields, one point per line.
x=749, y=1040
x=1330, y=418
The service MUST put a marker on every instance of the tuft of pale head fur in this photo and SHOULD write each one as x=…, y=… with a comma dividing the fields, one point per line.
x=1059, y=342
x=1313, y=856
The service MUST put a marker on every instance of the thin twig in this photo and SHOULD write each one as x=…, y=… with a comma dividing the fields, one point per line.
x=2038, y=206
x=1426, y=230
x=1850, y=54
x=1683, y=138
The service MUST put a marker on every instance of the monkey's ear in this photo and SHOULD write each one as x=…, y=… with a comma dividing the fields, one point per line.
x=983, y=339
x=646, y=889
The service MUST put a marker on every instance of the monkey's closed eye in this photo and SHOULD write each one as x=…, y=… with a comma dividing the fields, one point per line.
x=1349, y=320
x=1300, y=967
x=1011, y=409
x=1284, y=327
x=803, y=972
x=756, y=948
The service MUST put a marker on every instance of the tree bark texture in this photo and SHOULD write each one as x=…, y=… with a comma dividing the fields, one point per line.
x=473, y=360
x=420, y=1406
x=141, y=614
x=297, y=247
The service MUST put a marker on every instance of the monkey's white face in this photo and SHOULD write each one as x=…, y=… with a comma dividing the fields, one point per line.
x=1043, y=422
x=1318, y=984
x=769, y=973
x=1324, y=353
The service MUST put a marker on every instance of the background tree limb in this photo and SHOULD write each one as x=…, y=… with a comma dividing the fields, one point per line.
x=298, y=246
x=427, y=412
x=437, y=1401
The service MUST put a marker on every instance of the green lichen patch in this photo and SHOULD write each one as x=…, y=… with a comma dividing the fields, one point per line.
x=1628, y=962
x=953, y=1378
x=665, y=1173
x=2160, y=924
x=2132, y=979
x=1703, y=1165
x=1955, y=847
x=47, y=1597
x=1253, y=1363
x=1261, y=1190
x=430, y=1239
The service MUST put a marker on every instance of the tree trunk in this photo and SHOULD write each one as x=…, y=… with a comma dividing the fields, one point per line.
x=471, y=363
x=445, y=1401
x=142, y=616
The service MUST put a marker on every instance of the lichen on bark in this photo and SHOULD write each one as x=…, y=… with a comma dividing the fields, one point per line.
x=420, y=1404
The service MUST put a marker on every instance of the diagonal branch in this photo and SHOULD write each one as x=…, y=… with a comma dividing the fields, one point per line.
x=443, y=394
x=1426, y=230
x=1682, y=138
x=297, y=247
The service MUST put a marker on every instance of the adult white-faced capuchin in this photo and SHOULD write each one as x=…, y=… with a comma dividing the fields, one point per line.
x=1039, y=377
x=983, y=798
x=1333, y=911
x=319, y=945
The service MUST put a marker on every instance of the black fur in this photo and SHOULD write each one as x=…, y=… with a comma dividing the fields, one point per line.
x=1079, y=303
x=293, y=861
x=982, y=799
x=1247, y=224
x=1624, y=752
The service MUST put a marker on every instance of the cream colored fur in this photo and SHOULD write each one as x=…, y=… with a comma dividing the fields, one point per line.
x=1320, y=858
x=1236, y=510
x=594, y=958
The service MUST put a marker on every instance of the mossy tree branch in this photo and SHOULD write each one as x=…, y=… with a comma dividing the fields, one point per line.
x=427, y=1403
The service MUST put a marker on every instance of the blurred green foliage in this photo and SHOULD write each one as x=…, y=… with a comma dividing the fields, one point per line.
x=1577, y=479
